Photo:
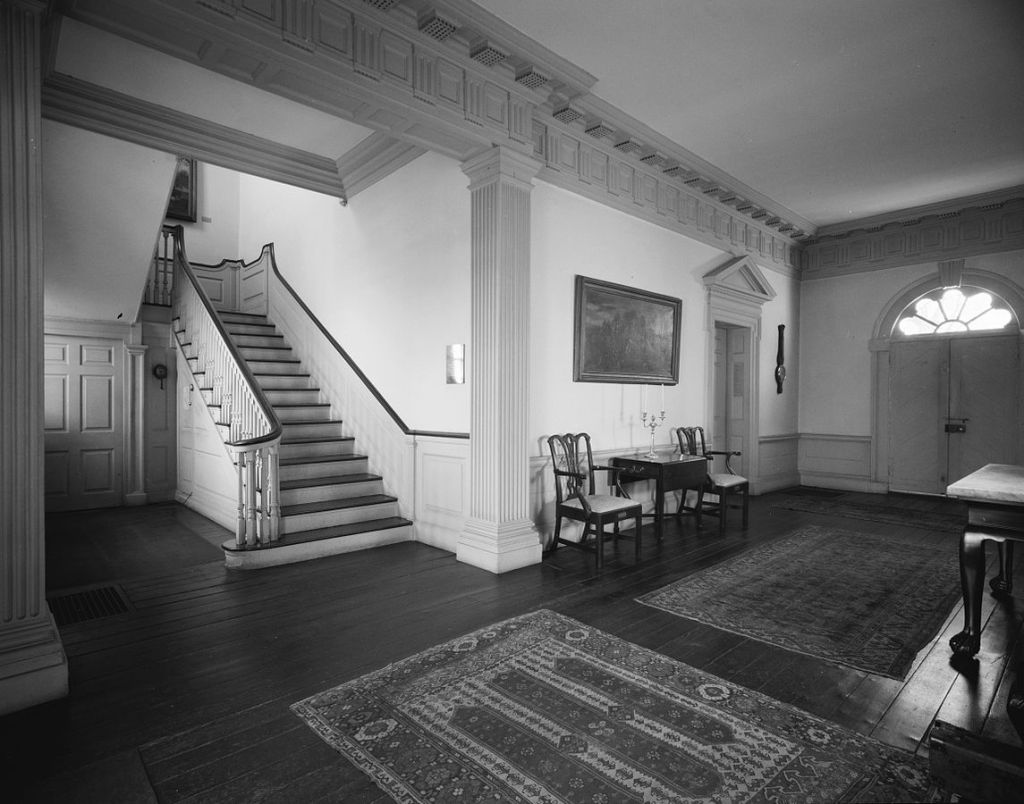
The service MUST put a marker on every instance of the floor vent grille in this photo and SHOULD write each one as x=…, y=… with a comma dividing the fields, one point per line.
x=77, y=607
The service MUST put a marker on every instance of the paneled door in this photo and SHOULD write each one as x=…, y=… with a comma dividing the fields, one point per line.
x=729, y=423
x=954, y=406
x=84, y=430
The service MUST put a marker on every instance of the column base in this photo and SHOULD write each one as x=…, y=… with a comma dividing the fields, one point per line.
x=499, y=547
x=33, y=667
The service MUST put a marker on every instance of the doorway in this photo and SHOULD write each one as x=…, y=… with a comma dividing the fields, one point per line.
x=954, y=407
x=731, y=411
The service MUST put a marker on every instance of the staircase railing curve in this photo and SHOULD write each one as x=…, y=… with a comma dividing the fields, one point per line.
x=248, y=424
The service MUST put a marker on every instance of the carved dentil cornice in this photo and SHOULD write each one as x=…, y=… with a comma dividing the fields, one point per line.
x=984, y=224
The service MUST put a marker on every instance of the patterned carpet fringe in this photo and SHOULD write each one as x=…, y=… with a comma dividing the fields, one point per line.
x=542, y=708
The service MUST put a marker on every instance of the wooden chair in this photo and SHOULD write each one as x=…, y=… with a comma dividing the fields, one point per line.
x=576, y=496
x=720, y=484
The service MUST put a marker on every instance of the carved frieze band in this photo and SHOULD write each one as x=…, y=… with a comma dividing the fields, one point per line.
x=971, y=231
x=587, y=166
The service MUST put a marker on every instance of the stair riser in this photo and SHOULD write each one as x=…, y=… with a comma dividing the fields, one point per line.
x=311, y=471
x=251, y=353
x=241, y=318
x=342, y=516
x=274, y=367
x=324, y=429
x=319, y=413
x=296, y=396
x=257, y=340
x=251, y=329
x=294, y=382
x=339, y=491
x=315, y=449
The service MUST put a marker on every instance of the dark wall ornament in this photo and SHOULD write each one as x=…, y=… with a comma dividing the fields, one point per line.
x=780, y=358
x=182, y=205
x=625, y=335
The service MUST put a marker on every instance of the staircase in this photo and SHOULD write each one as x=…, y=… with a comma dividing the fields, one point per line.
x=329, y=502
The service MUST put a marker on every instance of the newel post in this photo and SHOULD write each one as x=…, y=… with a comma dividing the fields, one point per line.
x=499, y=534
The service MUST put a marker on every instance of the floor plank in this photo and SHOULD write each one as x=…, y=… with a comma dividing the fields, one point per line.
x=195, y=682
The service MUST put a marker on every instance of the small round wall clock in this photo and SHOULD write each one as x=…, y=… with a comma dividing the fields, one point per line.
x=780, y=369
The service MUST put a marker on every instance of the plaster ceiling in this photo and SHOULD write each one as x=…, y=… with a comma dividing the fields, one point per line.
x=840, y=111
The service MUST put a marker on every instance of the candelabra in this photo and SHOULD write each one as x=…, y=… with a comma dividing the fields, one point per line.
x=653, y=424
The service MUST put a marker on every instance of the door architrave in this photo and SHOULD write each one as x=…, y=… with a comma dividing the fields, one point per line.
x=881, y=344
x=737, y=291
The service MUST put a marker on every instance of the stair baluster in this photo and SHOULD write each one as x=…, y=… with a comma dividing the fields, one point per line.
x=253, y=431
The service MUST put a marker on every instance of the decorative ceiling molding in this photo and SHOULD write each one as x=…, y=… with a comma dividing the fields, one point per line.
x=380, y=69
x=968, y=231
x=578, y=163
x=373, y=159
x=94, y=108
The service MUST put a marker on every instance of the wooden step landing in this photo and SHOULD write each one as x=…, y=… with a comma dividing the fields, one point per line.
x=310, y=544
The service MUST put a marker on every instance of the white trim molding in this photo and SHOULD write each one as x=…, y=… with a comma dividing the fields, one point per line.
x=963, y=230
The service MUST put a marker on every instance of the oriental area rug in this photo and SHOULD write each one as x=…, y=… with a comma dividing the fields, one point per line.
x=869, y=601
x=542, y=708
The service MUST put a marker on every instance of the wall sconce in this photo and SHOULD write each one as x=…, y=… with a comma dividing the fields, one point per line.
x=455, y=363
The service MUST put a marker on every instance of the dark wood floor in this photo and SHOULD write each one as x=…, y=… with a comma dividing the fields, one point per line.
x=185, y=697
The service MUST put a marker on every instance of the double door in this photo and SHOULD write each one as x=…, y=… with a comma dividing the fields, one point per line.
x=955, y=405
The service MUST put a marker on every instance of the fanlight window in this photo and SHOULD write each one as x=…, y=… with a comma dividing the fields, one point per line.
x=950, y=310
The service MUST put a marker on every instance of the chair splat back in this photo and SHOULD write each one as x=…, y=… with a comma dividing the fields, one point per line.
x=576, y=496
x=719, y=484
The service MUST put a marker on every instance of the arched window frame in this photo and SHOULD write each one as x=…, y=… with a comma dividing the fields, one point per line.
x=955, y=310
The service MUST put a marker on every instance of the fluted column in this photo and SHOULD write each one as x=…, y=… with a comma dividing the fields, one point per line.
x=33, y=668
x=499, y=534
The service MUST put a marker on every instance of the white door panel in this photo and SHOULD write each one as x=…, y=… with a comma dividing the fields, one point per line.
x=83, y=425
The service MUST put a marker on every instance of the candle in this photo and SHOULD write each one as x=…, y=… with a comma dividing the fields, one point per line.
x=663, y=400
x=643, y=402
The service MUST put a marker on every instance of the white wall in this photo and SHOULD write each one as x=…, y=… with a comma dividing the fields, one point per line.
x=838, y=320
x=778, y=412
x=214, y=235
x=571, y=235
x=388, y=276
x=103, y=204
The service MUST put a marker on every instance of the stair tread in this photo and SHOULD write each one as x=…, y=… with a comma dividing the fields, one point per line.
x=319, y=459
x=319, y=534
x=332, y=480
x=302, y=405
x=336, y=504
x=315, y=439
x=311, y=421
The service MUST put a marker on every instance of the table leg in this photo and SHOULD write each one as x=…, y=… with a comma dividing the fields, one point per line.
x=972, y=578
x=659, y=502
x=1002, y=584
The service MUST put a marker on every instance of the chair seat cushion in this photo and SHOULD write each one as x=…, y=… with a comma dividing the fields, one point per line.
x=604, y=503
x=726, y=481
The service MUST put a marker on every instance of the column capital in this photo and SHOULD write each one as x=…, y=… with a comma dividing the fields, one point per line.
x=498, y=163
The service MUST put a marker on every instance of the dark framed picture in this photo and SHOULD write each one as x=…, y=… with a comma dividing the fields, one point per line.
x=625, y=335
x=182, y=206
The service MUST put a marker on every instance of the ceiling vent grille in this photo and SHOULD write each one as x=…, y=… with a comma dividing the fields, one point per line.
x=600, y=131
x=628, y=146
x=437, y=27
x=383, y=5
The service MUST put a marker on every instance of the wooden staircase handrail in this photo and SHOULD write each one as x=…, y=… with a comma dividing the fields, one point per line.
x=266, y=409
x=269, y=247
